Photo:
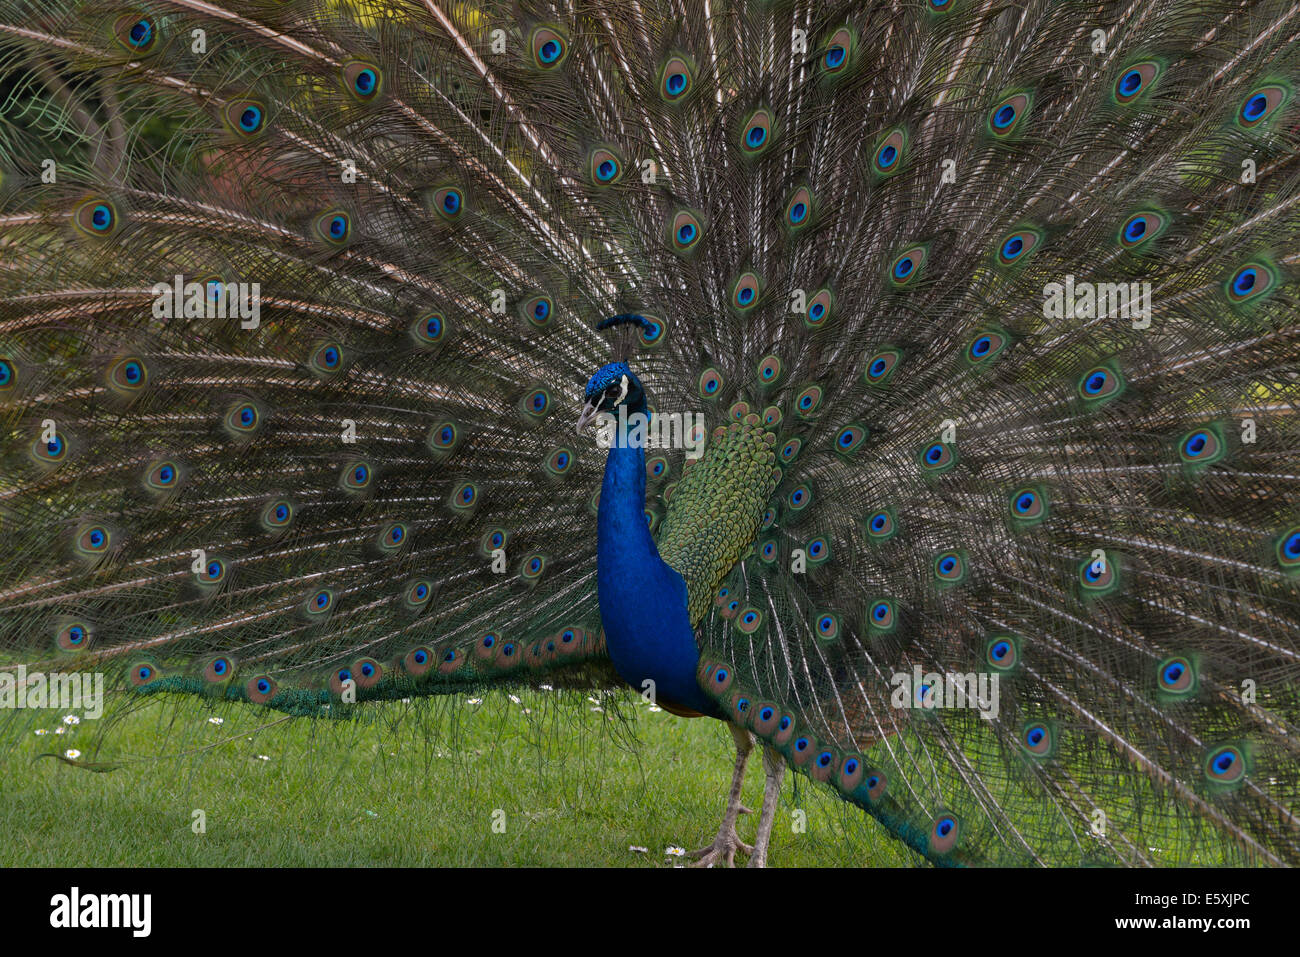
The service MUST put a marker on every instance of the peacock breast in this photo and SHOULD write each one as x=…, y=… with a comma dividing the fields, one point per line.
x=717, y=508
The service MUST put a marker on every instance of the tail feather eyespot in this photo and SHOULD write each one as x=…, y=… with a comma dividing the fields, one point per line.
x=945, y=831
x=676, y=79
x=838, y=53
x=261, y=689
x=363, y=80
x=1009, y=113
x=96, y=217
x=245, y=116
x=548, y=46
x=1136, y=80
x=138, y=34
x=888, y=156
x=1261, y=104
x=604, y=166
x=756, y=133
x=799, y=209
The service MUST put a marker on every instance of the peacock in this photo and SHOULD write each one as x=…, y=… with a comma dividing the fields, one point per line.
x=911, y=385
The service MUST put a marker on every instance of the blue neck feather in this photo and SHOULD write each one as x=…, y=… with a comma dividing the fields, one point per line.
x=642, y=601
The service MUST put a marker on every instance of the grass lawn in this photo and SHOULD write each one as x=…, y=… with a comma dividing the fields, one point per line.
x=419, y=786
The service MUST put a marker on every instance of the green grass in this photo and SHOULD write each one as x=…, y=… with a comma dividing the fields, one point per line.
x=406, y=786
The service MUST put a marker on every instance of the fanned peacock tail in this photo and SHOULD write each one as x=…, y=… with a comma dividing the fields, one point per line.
x=867, y=242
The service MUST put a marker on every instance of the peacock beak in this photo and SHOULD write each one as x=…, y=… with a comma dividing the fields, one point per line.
x=588, y=413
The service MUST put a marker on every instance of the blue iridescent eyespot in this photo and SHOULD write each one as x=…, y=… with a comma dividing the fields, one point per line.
x=218, y=669
x=880, y=366
x=95, y=217
x=1262, y=103
x=363, y=80
x=684, y=230
x=244, y=418
x=1176, y=676
x=72, y=637
x=549, y=47
x=136, y=33
x=881, y=525
x=1226, y=765
x=800, y=497
x=1250, y=281
x=943, y=834
x=985, y=346
x=798, y=209
x=1001, y=653
x=1015, y=247
x=1037, y=739
x=246, y=117
x=1008, y=114
x=1135, y=80
x=1201, y=447
x=887, y=159
x=710, y=382
x=536, y=403
x=604, y=166
x=908, y=265
x=1028, y=506
x=938, y=457
x=676, y=79
x=334, y=227
x=808, y=401
x=142, y=674
x=837, y=52
x=756, y=133
x=882, y=615
x=162, y=477
x=1288, y=550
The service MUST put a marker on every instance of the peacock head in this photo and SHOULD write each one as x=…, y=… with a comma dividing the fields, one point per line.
x=612, y=386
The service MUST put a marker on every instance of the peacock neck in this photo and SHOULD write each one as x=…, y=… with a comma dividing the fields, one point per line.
x=643, y=606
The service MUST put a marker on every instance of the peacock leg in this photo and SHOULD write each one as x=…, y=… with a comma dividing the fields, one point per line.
x=727, y=842
x=774, y=770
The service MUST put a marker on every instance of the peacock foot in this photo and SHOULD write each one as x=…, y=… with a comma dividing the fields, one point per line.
x=724, y=846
